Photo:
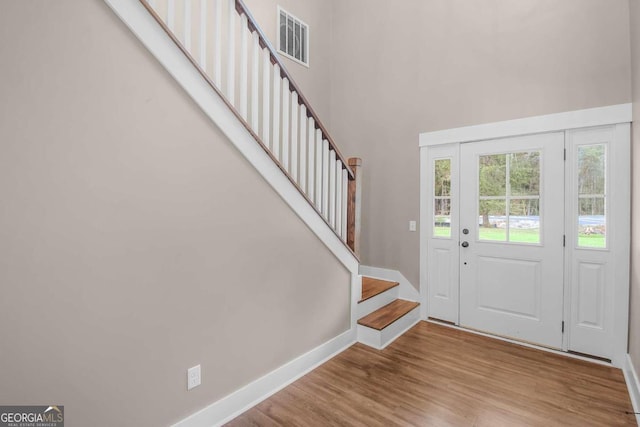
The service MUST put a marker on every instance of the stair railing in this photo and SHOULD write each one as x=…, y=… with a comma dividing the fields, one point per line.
x=222, y=39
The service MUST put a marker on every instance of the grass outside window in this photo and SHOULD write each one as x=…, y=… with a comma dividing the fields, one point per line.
x=525, y=236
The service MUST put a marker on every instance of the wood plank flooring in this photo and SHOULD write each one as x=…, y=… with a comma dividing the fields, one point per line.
x=372, y=287
x=438, y=376
x=388, y=314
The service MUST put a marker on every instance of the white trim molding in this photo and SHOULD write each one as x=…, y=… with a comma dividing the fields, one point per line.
x=609, y=115
x=229, y=407
x=407, y=290
x=144, y=26
x=633, y=385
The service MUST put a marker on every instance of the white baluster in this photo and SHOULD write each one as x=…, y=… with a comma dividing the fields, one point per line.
x=286, y=98
x=318, y=137
x=187, y=25
x=231, y=52
x=325, y=178
x=266, y=66
x=275, y=113
x=217, y=46
x=311, y=160
x=338, y=186
x=171, y=15
x=332, y=188
x=295, y=108
x=203, y=34
x=255, y=82
x=244, y=65
x=345, y=196
x=302, y=165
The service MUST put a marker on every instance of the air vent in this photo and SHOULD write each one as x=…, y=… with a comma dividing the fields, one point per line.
x=293, y=37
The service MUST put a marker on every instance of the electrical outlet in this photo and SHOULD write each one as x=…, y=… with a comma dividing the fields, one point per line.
x=413, y=226
x=193, y=377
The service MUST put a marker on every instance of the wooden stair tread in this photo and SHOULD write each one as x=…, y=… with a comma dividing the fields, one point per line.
x=388, y=314
x=372, y=287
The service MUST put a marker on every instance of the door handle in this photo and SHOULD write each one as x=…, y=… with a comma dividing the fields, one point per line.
x=465, y=244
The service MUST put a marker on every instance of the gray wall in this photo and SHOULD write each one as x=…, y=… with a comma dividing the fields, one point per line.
x=411, y=66
x=634, y=321
x=315, y=79
x=135, y=241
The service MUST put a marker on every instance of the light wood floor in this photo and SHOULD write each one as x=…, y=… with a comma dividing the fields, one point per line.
x=438, y=376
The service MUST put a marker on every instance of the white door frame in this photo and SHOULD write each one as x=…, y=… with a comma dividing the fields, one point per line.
x=620, y=114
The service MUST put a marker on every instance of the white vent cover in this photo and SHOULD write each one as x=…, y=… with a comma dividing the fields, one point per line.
x=293, y=37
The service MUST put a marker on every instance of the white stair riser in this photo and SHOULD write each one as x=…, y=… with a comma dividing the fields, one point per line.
x=379, y=301
x=381, y=339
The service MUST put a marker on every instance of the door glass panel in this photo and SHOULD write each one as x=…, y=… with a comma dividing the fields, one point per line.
x=442, y=221
x=591, y=169
x=524, y=173
x=442, y=198
x=509, y=197
x=524, y=220
x=493, y=220
x=493, y=172
x=592, y=224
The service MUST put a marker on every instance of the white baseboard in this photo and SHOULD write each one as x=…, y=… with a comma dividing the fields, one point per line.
x=144, y=26
x=407, y=290
x=633, y=385
x=229, y=407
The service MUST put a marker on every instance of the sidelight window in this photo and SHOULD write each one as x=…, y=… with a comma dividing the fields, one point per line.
x=592, y=225
x=442, y=198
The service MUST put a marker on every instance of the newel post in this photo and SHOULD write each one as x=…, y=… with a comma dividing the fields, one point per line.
x=354, y=205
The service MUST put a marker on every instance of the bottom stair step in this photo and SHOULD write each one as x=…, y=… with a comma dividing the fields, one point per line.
x=388, y=314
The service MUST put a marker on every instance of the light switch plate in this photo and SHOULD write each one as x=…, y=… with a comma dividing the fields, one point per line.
x=193, y=377
x=413, y=225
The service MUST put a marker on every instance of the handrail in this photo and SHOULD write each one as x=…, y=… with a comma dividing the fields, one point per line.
x=275, y=59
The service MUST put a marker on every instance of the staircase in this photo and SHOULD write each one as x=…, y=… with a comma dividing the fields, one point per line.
x=383, y=317
x=217, y=52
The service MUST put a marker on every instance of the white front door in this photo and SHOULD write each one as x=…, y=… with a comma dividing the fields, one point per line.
x=511, y=237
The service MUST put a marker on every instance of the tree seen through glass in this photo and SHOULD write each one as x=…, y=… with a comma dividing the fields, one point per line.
x=442, y=198
x=509, y=202
x=592, y=227
x=509, y=197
